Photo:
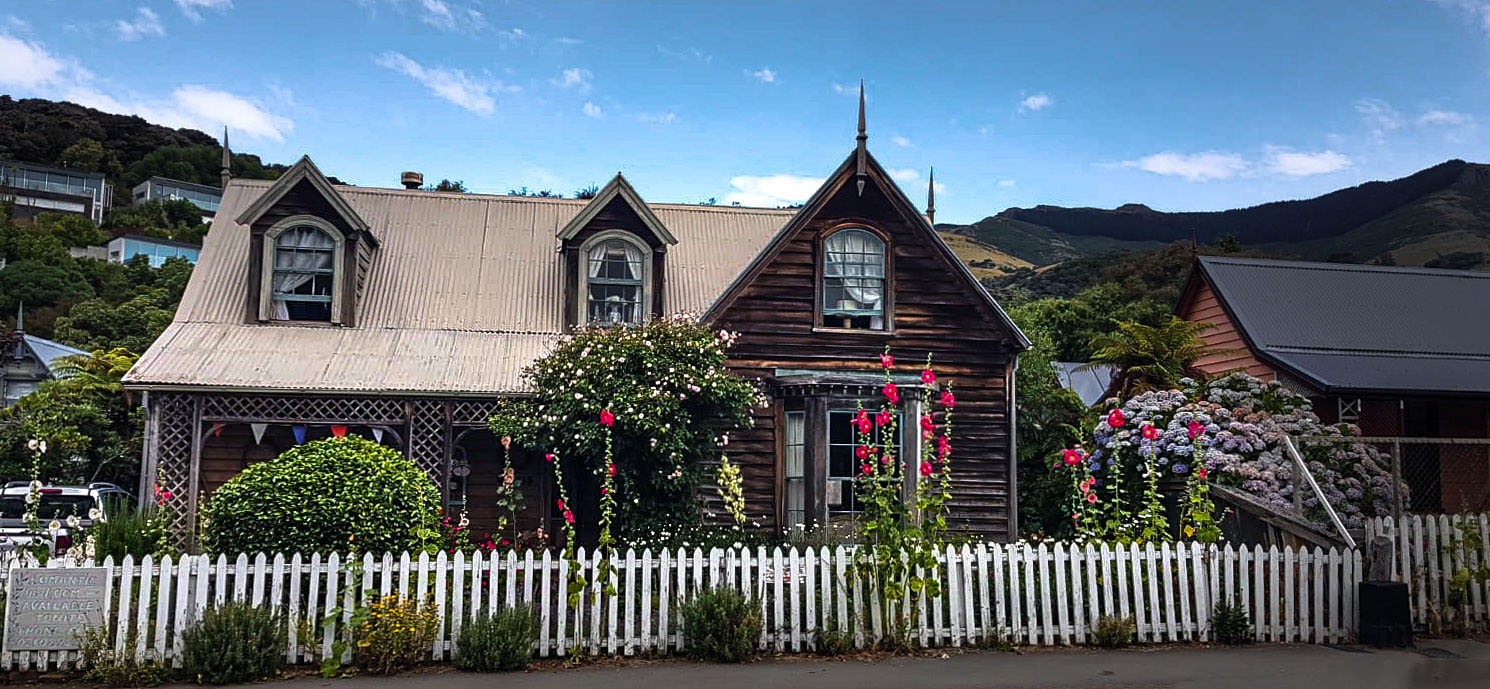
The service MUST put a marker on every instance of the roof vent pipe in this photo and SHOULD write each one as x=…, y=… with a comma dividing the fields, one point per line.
x=411, y=179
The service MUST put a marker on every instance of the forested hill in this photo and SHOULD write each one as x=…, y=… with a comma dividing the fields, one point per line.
x=1434, y=212
x=125, y=147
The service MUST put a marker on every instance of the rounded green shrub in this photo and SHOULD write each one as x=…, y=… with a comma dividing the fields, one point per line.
x=500, y=642
x=720, y=625
x=327, y=495
x=234, y=643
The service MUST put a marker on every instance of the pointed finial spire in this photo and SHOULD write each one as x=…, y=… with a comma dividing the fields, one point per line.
x=227, y=160
x=931, y=198
x=21, y=317
x=862, y=138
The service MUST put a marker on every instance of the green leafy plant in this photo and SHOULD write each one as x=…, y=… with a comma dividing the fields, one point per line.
x=832, y=641
x=1115, y=632
x=1230, y=624
x=396, y=634
x=102, y=665
x=500, y=642
x=324, y=496
x=720, y=625
x=234, y=643
x=129, y=530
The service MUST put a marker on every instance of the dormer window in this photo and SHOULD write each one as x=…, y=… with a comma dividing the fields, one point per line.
x=305, y=262
x=616, y=273
x=853, y=274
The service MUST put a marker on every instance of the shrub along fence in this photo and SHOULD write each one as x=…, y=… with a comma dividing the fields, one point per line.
x=1446, y=565
x=990, y=594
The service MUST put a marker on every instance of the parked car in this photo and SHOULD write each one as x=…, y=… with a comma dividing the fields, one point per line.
x=58, y=503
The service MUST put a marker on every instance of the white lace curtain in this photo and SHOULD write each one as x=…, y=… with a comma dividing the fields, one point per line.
x=616, y=251
x=858, y=259
x=298, y=249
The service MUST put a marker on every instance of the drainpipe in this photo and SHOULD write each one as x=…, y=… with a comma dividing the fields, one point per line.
x=1013, y=451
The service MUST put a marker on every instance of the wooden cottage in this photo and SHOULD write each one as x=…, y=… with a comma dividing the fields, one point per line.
x=403, y=315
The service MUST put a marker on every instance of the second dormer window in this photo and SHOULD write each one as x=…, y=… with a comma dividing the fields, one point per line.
x=304, y=274
x=615, y=282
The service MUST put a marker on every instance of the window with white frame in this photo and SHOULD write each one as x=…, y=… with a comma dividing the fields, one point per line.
x=853, y=280
x=843, y=462
x=616, y=271
x=795, y=476
x=302, y=285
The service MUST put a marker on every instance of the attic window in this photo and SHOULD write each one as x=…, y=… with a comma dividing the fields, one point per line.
x=304, y=262
x=616, y=270
x=853, y=280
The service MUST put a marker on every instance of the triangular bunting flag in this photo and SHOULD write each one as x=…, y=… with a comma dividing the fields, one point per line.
x=299, y=434
x=258, y=429
x=377, y=434
x=217, y=428
x=339, y=431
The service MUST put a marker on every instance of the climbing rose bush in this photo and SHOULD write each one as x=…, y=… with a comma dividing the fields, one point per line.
x=1234, y=427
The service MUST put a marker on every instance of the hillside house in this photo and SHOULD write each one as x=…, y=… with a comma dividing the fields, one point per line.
x=404, y=315
x=1399, y=352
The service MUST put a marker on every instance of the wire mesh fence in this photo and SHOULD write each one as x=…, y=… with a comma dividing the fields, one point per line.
x=1433, y=475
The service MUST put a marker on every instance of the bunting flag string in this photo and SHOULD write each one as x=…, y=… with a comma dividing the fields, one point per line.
x=377, y=434
x=299, y=434
x=339, y=431
x=258, y=429
x=217, y=427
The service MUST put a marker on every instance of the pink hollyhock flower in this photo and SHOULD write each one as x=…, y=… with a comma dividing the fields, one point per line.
x=1150, y=432
x=506, y=441
x=611, y=469
x=561, y=503
x=1091, y=497
x=568, y=516
x=1195, y=428
x=866, y=469
x=1200, y=473
x=886, y=361
x=925, y=468
x=1071, y=457
x=861, y=421
x=861, y=451
x=548, y=457
x=1116, y=419
x=927, y=425
x=943, y=447
x=891, y=393
x=607, y=418
x=948, y=400
x=886, y=459
x=884, y=417
x=928, y=376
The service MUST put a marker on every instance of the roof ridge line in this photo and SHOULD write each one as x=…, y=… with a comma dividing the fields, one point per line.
x=1343, y=267
x=1385, y=353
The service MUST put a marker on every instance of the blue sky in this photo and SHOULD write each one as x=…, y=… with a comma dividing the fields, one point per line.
x=1203, y=105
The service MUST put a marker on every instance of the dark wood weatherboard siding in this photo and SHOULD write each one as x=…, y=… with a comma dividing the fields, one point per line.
x=934, y=310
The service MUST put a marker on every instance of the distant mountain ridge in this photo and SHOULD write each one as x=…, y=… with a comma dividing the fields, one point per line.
x=1431, y=213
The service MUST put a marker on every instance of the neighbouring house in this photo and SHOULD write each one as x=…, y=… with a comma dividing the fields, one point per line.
x=164, y=189
x=404, y=315
x=125, y=247
x=27, y=361
x=35, y=189
x=1090, y=382
x=1399, y=352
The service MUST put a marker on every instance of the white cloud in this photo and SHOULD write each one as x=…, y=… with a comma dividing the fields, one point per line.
x=1443, y=118
x=576, y=78
x=1006, y=183
x=690, y=54
x=1036, y=102
x=27, y=65
x=453, y=85
x=1380, y=117
x=447, y=17
x=12, y=23
x=210, y=108
x=908, y=176
x=1295, y=164
x=663, y=118
x=1195, y=167
x=900, y=141
x=771, y=190
x=1478, y=10
x=593, y=110
x=765, y=75
x=146, y=23
x=846, y=89
x=193, y=8
x=568, y=40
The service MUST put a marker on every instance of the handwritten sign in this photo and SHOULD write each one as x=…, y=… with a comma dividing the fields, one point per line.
x=49, y=609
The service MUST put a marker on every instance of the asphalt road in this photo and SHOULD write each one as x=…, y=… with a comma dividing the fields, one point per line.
x=1437, y=663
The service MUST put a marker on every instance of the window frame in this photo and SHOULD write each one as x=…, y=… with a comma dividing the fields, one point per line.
x=266, y=277
x=820, y=317
x=644, y=284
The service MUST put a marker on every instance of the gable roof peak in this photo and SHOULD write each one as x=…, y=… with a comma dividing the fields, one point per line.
x=618, y=186
x=305, y=170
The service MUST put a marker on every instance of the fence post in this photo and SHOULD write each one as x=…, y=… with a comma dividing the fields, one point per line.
x=1396, y=481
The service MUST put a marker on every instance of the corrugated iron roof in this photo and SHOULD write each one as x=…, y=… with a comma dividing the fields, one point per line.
x=463, y=291
x=1367, y=328
x=48, y=352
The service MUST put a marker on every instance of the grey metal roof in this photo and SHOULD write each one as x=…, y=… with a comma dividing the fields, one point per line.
x=47, y=352
x=1362, y=328
x=1089, y=381
x=464, y=291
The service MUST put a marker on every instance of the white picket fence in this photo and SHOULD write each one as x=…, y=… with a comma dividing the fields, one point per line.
x=1040, y=595
x=1429, y=552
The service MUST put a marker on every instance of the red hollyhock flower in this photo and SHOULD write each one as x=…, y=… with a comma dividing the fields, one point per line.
x=561, y=503
x=884, y=417
x=866, y=469
x=925, y=468
x=611, y=469
x=1116, y=419
x=1150, y=432
x=1200, y=473
x=568, y=516
x=1195, y=428
x=886, y=361
x=1071, y=457
x=861, y=421
x=927, y=425
x=928, y=376
x=948, y=400
x=1091, y=497
x=607, y=418
x=943, y=447
x=861, y=451
x=891, y=393
x=548, y=457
